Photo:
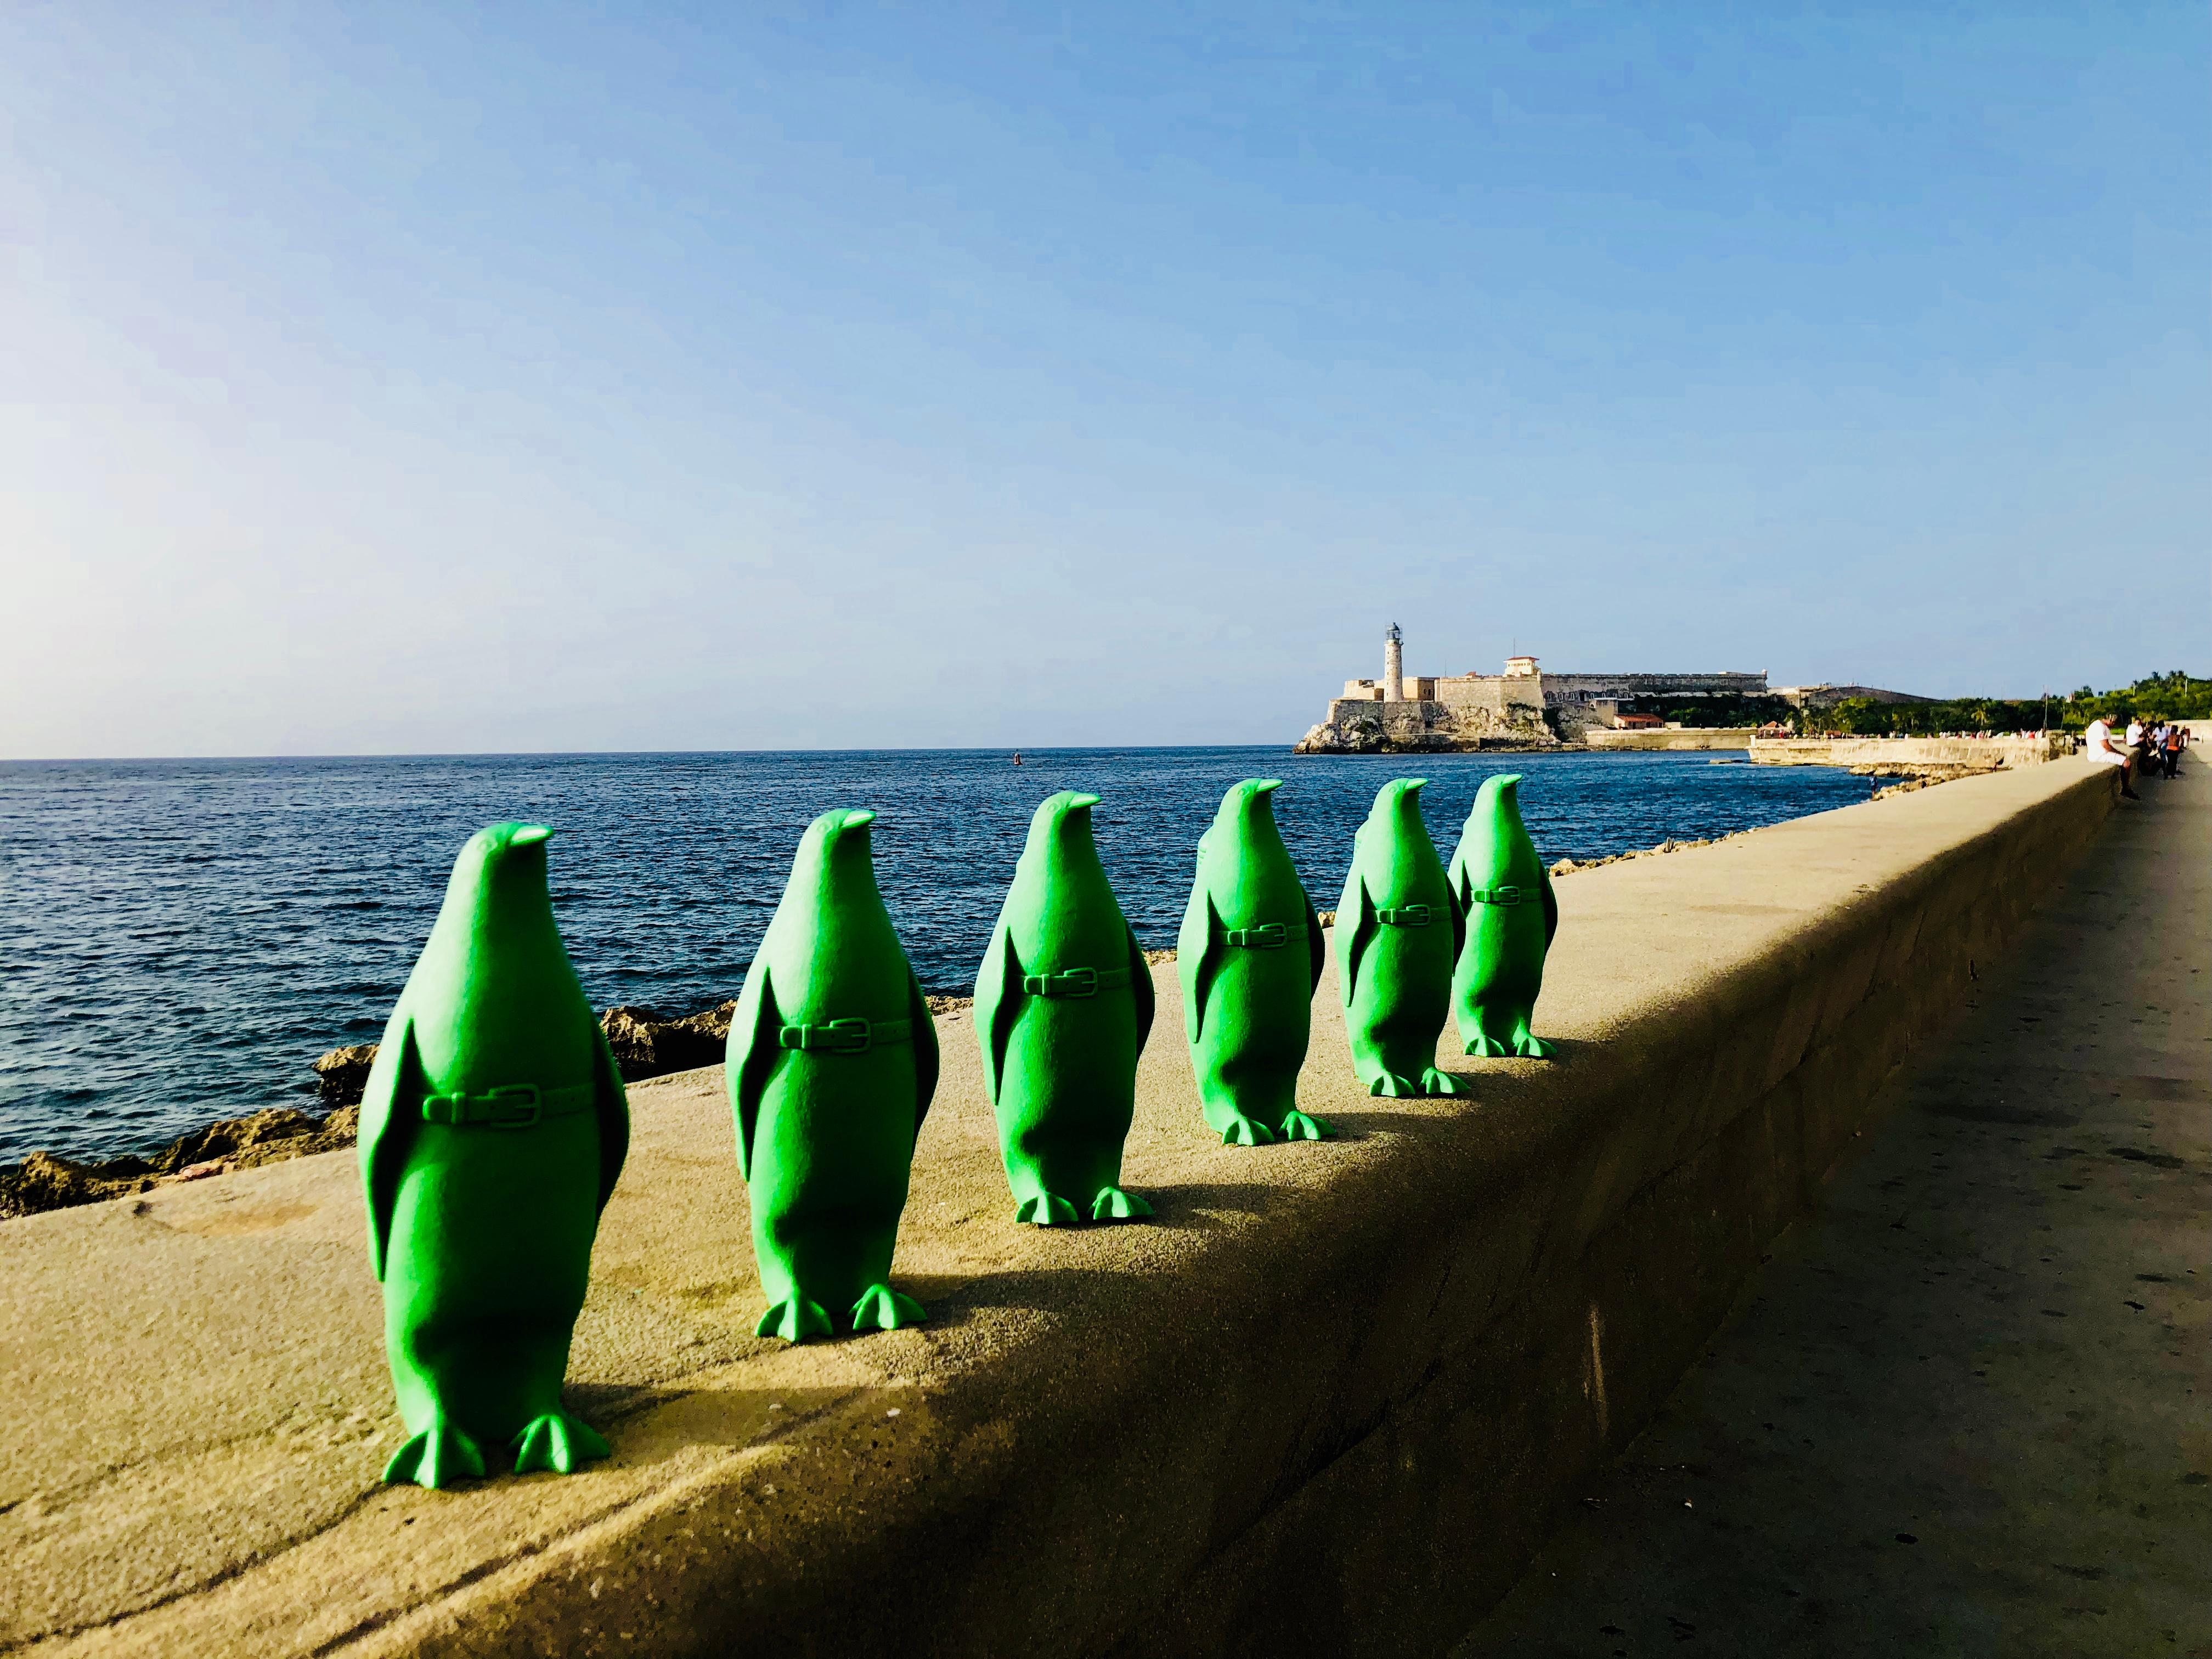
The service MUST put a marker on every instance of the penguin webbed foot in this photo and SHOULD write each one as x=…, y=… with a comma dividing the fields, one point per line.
x=1046, y=1210
x=1391, y=1086
x=1434, y=1082
x=1529, y=1046
x=883, y=1308
x=1242, y=1130
x=437, y=1457
x=1300, y=1125
x=795, y=1319
x=559, y=1443
x=1112, y=1204
x=1489, y=1048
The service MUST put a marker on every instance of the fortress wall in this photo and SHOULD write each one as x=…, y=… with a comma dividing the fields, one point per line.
x=1580, y=688
x=1327, y=1401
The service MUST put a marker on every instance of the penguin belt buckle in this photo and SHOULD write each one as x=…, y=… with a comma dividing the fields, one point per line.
x=513, y=1106
x=1071, y=983
x=836, y=1036
x=1405, y=916
x=1506, y=895
x=510, y=1106
x=1268, y=936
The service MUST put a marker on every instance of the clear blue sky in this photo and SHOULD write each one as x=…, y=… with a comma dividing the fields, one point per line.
x=389, y=379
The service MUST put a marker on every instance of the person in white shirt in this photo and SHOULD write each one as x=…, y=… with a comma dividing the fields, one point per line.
x=2135, y=734
x=2098, y=742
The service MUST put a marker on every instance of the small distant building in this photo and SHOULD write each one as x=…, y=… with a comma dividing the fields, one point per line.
x=1638, y=722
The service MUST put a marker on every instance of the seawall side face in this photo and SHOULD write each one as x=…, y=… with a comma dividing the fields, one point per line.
x=1327, y=1401
x=1986, y=754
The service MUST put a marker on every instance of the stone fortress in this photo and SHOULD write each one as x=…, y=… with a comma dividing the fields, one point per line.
x=1521, y=708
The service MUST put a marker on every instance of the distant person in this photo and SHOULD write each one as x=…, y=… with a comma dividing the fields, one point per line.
x=2135, y=734
x=2175, y=735
x=2097, y=742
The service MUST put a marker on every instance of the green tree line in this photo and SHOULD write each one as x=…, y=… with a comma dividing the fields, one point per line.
x=2174, y=696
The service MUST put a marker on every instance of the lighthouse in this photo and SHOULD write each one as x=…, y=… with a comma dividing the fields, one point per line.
x=1394, y=666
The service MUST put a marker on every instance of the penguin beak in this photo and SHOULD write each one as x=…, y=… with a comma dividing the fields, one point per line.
x=1266, y=785
x=530, y=834
x=1077, y=803
x=859, y=818
x=1414, y=785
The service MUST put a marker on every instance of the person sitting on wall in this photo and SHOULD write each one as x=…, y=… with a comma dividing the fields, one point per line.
x=2098, y=742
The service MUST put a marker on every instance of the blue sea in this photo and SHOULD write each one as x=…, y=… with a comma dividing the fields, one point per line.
x=180, y=939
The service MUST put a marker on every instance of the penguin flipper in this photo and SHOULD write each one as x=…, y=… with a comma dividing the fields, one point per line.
x=998, y=1005
x=391, y=1108
x=1316, y=945
x=755, y=1029
x=1551, y=904
x=1353, y=940
x=1201, y=925
x=1140, y=982
x=613, y=1106
x=923, y=1024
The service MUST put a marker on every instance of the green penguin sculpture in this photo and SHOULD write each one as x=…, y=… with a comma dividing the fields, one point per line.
x=1506, y=894
x=1250, y=954
x=1398, y=934
x=1063, y=1005
x=832, y=1063
x=493, y=1125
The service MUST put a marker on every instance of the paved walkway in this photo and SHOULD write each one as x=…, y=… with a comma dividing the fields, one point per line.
x=1968, y=1407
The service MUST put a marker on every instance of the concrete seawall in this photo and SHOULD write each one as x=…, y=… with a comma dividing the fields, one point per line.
x=1983, y=754
x=1329, y=1401
x=1598, y=737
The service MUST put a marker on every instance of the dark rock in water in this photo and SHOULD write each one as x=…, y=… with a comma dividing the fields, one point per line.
x=646, y=1045
x=344, y=1073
